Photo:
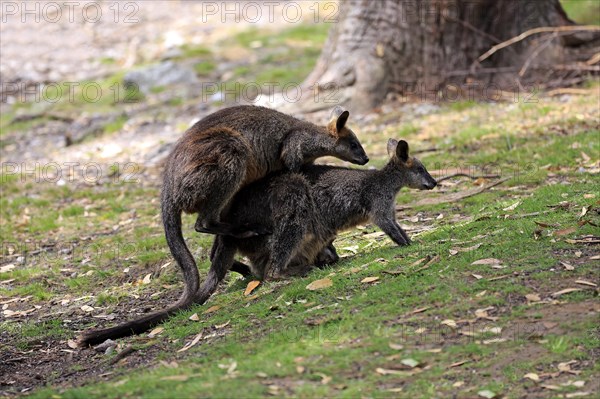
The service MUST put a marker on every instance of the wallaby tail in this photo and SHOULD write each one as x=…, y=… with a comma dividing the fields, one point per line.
x=172, y=224
x=138, y=326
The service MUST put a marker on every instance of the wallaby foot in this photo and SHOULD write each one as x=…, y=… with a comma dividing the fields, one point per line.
x=327, y=256
x=242, y=269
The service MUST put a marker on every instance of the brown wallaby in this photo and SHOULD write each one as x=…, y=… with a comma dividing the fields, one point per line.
x=305, y=211
x=213, y=160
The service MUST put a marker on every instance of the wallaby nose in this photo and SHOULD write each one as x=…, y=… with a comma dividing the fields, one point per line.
x=432, y=185
x=365, y=160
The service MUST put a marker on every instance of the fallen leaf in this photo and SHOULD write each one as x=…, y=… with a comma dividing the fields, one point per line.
x=419, y=310
x=564, y=232
x=551, y=387
x=458, y=384
x=460, y=363
x=87, y=308
x=72, y=344
x=147, y=278
x=319, y=284
x=577, y=394
x=369, y=279
x=212, y=309
x=585, y=282
x=155, y=332
x=380, y=50
x=251, y=287
x=412, y=363
x=533, y=297
x=512, y=207
x=194, y=317
x=449, y=323
x=418, y=262
x=482, y=313
x=477, y=276
x=565, y=291
x=493, y=341
x=383, y=371
x=486, y=393
x=325, y=379
x=192, y=343
x=532, y=377
x=487, y=261
x=219, y=326
x=396, y=346
x=567, y=265
x=7, y=268
x=565, y=367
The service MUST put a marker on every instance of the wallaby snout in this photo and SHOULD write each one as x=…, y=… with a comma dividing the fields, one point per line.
x=362, y=160
x=430, y=185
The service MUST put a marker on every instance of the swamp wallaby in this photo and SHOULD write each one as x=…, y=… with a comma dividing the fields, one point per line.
x=213, y=160
x=306, y=210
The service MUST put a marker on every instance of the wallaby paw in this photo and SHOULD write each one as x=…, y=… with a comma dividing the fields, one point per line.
x=248, y=231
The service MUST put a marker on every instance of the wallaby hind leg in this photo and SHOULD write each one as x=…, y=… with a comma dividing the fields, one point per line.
x=327, y=256
x=241, y=268
x=237, y=267
x=293, y=212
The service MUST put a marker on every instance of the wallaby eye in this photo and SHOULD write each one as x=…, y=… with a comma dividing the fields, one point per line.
x=354, y=145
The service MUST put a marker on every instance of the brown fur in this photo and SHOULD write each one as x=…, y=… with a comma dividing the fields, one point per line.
x=213, y=160
x=305, y=211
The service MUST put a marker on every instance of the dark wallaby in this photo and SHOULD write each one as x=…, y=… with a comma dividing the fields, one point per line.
x=213, y=160
x=305, y=211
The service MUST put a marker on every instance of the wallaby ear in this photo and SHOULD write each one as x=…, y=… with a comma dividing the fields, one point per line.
x=338, y=119
x=402, y=150
x=341, y=121
x=391, y=146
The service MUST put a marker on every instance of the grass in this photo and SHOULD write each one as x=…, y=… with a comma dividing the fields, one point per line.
x=289, y=341
x=585, y=12
x=286, y=57
x=95, y=245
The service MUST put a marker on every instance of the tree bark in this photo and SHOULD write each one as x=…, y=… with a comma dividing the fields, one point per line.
x=430, y=48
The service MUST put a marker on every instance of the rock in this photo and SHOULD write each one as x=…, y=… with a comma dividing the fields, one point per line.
x=425, y=109
x=164, y=74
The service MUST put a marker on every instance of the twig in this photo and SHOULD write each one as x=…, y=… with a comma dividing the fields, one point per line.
x=534, y=31
x=526, y=215
x=576, y=67
x=467, y=175
x=432, y=149
x=30, y=117
x=594, y=60
x=121, y=355
x=567, y=90
x=452, y=197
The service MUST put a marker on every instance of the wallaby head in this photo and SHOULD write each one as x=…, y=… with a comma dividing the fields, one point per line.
x=414, y=173
x=347, y=146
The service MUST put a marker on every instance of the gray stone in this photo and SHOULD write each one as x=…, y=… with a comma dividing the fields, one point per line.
x=166, y=73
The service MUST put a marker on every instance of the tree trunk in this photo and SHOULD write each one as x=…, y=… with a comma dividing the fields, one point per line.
x=430, y=49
